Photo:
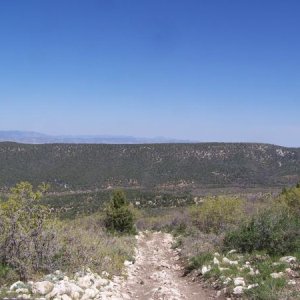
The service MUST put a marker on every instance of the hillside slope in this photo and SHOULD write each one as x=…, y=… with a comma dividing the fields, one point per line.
x=89, y=166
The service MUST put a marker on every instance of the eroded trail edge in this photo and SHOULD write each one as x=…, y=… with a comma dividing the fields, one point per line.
x=157, y=274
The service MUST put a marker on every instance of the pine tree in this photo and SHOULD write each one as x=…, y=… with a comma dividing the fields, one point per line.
x=119, y=214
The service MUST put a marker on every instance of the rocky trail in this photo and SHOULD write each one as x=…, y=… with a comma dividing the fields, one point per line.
x=157, y=274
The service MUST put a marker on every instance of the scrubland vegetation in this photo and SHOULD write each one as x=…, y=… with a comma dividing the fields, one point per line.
x=241, y=250
x=33, y=242
x=246, y=254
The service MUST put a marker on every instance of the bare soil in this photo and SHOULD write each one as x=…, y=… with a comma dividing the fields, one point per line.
x=157, y=273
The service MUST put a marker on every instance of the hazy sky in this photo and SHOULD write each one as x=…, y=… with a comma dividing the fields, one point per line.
x=222, y=70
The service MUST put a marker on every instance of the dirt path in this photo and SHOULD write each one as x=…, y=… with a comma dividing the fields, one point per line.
x=156, y=273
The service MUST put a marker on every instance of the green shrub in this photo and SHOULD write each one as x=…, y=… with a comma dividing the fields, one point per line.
x=26, y=239
x=119, y=214
x=291, y=199
x=216, y=214
x=32, y=241
x=7, y=275
x=273, y=230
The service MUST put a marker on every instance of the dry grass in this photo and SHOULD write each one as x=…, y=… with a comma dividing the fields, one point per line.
x=86, y=243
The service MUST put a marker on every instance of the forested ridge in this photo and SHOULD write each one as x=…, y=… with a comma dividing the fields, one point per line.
x=89, y=166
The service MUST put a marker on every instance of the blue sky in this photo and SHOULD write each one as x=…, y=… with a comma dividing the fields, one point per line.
x=223, y=70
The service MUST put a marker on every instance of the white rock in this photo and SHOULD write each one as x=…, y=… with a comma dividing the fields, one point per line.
x=227, y=281
x=89, y=294
x=22, y=291
x=229, y=262
x=239, y=281
x=105, y=274
x=127, y=263
x=251, y=272
x=100, y=282
x=251, y=286
x=291, y=273
x=288, y=259
x=42, y=287
x=226, y=260
x=292, y=282
x=85, y=281
x=65, y=297
x=238, y=290
x=217, y=254
x=75, y=295
x=64, y=287
x=277, y=275
x=216, y=261
x=205, y=269
x=232, y=251
x=24, y=296
x=223, y=269
x=18, y=285
x=246, y=267
x=58, y=272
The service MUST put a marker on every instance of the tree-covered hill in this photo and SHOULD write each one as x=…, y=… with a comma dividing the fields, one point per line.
x=163, y=166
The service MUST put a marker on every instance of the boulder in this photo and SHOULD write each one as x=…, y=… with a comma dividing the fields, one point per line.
x=22, y=291
x=64, y=287
x=89, y=294
x=18, y=285
x=238, y=290
x=239, y=281
x=291, y=273
x=86, y=281
x=205, y=269
x=216, y=261
x=288, y=259
x=251, y=286
x=100, y=282
x=42, y=287
x=277, y=275
x=227, y=281
x=127, y=263
x=229, y=262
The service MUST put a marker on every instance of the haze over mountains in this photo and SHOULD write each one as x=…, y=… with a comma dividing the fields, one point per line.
x=30, y=137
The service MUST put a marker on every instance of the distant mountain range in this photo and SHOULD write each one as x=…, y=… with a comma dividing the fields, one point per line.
x=30, y=137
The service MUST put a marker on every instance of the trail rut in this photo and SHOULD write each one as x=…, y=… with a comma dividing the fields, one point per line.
x=157, y=274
